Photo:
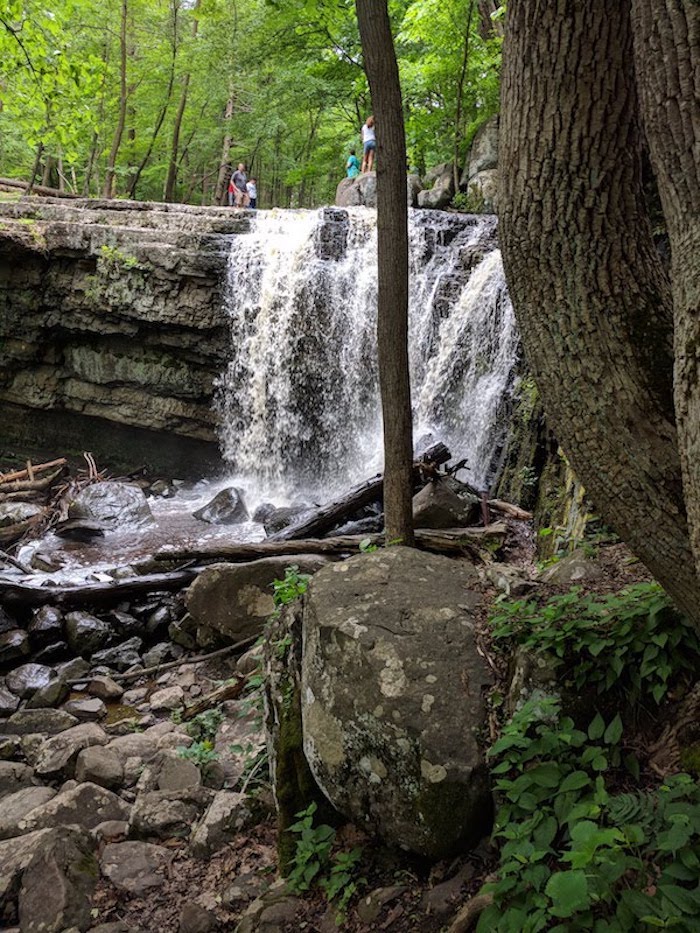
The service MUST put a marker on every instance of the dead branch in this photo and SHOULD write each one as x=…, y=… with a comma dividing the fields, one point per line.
x=512, y=511
x=30, y=485
x=227, y=691
x=38, y=468
x=470, y=913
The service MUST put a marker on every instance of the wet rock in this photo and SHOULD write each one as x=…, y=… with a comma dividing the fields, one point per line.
x=8, y=701
x=445, y=504
x=235, y=600
x=46, y=721
x=12, y=513
x=85, y=805
x=229, y=814
x=14, y=776
x=104, y=688
x=184, y=632
x=86, y=633
x=121, y=657
x=58, y=883
x=226, y=508
x=58, y=754
x=87, y=709
x=283, y=516
x=113, y=504
x=363, y=526
x=161, y=814
x=196, y=919
x=100, y=766
x=263, y=512
x=126, y=624
x=158, y=620
x=49, y=654
x=49, y=696
x=79, y=529
x=392, y=698
x=158, y=654
x=73, y=669
x=135, y=867
x=46, y=626
x=162, y=488
x=7, y=623
x=13, y=644
x=27, y=679
x=16, y=806
x=170, y=698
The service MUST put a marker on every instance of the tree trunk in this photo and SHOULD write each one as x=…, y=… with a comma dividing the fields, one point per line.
x=590, y=295
x=171, y=177
x=35, y=168
x=392, y=249
x=459, y=115
x=225, y=163
x=108, y=190
x=667, y=58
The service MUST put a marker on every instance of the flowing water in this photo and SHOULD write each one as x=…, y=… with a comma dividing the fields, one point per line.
x=299, y=402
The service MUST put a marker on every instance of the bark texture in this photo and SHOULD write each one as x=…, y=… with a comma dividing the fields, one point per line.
x=591, y=297
x=667, y=58
x=392, y=247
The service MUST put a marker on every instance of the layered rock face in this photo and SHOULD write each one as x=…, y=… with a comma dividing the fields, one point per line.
x=111, y=326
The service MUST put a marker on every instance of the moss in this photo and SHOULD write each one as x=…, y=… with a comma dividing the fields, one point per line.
x=458, y=816
x=295, y=786
x=690, y=759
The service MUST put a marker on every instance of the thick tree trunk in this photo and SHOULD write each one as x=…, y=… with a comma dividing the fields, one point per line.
x=108, y=190
x=591, y=298
x=392, y=248
x=667, y=58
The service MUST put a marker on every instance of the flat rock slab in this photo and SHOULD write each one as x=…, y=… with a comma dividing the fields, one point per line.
x=58, y=754
x=44, y=721
x=86, y=709
x=16, y=806
x=229, y=814
x=85, y=805
x=101, y=766
x=162, y=814
x=135, y=867
x=13, y=777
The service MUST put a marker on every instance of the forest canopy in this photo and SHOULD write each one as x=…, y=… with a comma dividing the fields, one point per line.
x=155, y=99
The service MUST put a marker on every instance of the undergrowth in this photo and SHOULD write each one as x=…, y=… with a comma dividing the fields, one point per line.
x=579, y=850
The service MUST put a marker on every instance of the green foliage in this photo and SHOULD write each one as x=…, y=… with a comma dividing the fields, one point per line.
x=471, y=202
x=113, y=258
x=202, y=753
x=366, y=546
x=313, y=865
x=293, y=586
x=632, y=641
x=204, y=726
x=575, y=857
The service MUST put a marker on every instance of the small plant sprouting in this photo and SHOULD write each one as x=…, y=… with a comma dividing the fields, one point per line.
x=367, y=547
x=294, y=585
x=201, y=753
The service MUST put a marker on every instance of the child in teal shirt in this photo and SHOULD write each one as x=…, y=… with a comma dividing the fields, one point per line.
x=352, y=165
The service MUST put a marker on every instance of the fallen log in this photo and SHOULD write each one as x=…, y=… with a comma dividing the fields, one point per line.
x=332, y=513
x=30, y=485
x=512, y=511
x=37, y=189
x=444, y=541
x=35, y=468
x=227, y=691
x=28, y=594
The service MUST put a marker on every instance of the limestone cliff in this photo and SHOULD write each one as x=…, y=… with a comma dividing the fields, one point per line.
x=111, y=327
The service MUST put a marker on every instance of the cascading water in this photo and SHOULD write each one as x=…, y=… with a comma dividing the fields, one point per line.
x=299, y=402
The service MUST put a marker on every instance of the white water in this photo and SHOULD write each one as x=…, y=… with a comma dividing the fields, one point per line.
x=299, y=403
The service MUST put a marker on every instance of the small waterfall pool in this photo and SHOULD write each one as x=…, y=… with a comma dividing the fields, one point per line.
x=298, y=405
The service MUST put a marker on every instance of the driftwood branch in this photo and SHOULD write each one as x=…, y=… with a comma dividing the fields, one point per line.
x=227, y=691
x=444, y=541
x=470, y=913
x=327, y=516
x=30, y=485
x=512, y=511
x=36, y=189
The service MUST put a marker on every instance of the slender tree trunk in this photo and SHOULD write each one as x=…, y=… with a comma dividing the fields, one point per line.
x=225, y=162
x=35, y=168
x=171, y=177
x=392, y=248
x=108, y=190
x=591, y=297
x=459, y=116
x=667, y=57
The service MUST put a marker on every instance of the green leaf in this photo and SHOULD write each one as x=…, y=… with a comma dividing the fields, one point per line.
x=613, y=733
x=596, y=728
x=569, y=892
x=575, y=781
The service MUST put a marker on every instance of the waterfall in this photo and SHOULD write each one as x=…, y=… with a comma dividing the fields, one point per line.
x=298, y=404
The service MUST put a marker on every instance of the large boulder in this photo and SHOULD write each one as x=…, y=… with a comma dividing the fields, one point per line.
x=226, y=508
x=85, y=805
x=480, y=175
x=235, y=600
x=113, y=504
x=362, y=191
x=86, y=633
x=446, y=503
x=58, y=754
x=16, y=806
x=135, y=867
x=13, y=513
x=24, y=681
x=392, y=697
x=45, y=721
x=13, y=644
x=442, y=190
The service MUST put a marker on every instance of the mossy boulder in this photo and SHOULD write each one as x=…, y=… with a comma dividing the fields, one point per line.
x=392, y=698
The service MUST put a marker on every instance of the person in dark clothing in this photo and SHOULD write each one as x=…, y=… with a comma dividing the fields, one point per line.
x=239, y=179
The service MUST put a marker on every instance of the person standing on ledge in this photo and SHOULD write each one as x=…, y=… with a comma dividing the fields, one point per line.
x=369, y=145
x=240, y=179
x=252, y=190
x=352, y=166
